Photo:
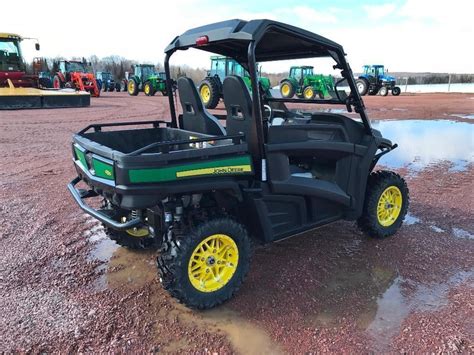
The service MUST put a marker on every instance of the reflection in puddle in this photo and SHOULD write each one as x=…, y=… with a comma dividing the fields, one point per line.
x=437, y=229
x=410, y=219
x=427, y=142
x=394, y=305
x=471, y=116
x=461, y=233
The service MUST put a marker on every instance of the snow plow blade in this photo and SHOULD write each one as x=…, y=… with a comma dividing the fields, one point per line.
x=29, y=98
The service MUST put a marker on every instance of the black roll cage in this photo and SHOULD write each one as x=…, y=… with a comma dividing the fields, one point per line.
x=249, y=61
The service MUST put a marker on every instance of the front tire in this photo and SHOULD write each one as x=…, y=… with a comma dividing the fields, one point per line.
x=383, y=91
x=386, y=204
x=308, y=93
x=205, y=267
x=396, y=91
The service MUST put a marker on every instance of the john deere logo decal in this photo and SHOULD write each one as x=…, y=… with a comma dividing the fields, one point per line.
x=108, y=172
x=222, y=170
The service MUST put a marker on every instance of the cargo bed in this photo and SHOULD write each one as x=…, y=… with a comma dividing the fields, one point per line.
x=135, y=168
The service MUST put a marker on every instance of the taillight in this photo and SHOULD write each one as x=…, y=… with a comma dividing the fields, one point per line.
x=201, y=41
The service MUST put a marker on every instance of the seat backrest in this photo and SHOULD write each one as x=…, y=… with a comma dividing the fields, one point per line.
x=238, y=105
x=195, y=116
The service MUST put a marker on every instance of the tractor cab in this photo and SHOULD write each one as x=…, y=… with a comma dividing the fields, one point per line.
x=223, y=66
x=144, y=71
x=299, y=73
x=12, y=65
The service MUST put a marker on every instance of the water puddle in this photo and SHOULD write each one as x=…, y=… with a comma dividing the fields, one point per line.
x=463, y=234
x=410, y=219
x=394, y=305
x=462, y=115
x=437, y=229
x=427, y=142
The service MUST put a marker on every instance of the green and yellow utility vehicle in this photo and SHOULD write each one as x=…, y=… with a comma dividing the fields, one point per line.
x=305, y=84
x=210, y=88
x=201, y=191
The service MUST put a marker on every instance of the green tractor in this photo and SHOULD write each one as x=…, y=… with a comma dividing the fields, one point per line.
x=210, y=88
x=306, y=85
x=146, y=79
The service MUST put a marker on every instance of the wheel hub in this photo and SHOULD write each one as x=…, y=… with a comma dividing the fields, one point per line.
x=389, y=206
x=213, y=263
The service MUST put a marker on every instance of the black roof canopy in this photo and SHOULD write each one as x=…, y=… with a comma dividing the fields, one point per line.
x=276, y=40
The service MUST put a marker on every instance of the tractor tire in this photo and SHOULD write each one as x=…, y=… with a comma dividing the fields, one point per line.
x=396, y=91
x=383, y=91
x=362, y=86
x=136, y=239
x=386, y=204
x=132, y=87
x=148, y=89
x=308, y=93
x=104, y=87
x=287, y=90
x=209, y=93
x=57, y=83
x=117, y=87
x=45, y=83
x=111, y=88
x=373, y=92
x=205, y=267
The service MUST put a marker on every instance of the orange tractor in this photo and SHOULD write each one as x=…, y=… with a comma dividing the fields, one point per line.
x=75, y=74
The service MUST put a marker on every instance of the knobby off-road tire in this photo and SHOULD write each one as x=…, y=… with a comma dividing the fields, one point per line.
x=201, y=274
x=131, y=239
x=209, y=93
x=362, y=86
x=396, y=91
x=386, y=204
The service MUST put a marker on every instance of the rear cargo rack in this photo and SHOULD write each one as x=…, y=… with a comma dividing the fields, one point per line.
x=98, y=127
x=165, y=146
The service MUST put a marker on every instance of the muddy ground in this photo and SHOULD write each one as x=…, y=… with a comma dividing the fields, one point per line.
x=65, y=287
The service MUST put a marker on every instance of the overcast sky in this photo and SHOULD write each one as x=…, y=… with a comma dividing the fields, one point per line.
x=405, y=35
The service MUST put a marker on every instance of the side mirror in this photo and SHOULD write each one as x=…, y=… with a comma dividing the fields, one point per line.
x=37, y=46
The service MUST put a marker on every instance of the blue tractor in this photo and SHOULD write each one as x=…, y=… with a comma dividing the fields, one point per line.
x=375, y=80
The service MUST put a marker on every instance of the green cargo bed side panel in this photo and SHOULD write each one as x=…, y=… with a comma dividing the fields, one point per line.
x=241, y=165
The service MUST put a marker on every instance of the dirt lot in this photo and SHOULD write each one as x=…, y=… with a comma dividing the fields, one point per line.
x=64, y=287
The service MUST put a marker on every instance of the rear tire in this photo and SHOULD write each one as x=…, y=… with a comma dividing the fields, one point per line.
x=132, y=87
x=57, y=83
x=386, y=204
x=362, y=86
x=287, y=90
x=148, y=89
x=135, y=239
x=209, y=93
x=205, y=267
x=383, y=91
x=396, y=91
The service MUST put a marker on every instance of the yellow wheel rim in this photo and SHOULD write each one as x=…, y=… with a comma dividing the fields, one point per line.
x=308, y=93
x=205, y=93
x=213, y=263
x=285, y=89
x=131, y=86
x=389, y=206
x=135, y=232
x=147, y=89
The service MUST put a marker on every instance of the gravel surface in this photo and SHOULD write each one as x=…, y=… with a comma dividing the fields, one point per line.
x=65, y=287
